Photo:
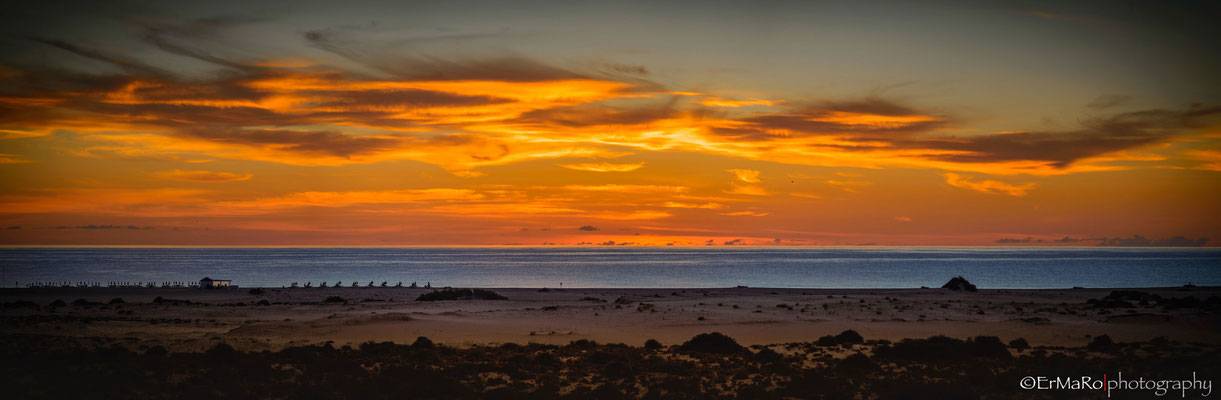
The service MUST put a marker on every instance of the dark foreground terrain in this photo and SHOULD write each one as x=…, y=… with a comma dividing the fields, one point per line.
x=845, y=366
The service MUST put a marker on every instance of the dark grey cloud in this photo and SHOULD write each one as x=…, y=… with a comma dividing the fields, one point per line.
x=1141, y=241
x=103, y=227
x=412, y=65
x=812, y=120
x=128, y=65
x=402, y=97
x=597, y=115
x=1013, y=240
x=589, y=228
x=870, y=105
x=1108, y=101
x=1060, y=149
x=1067, y=239
x=330, y=143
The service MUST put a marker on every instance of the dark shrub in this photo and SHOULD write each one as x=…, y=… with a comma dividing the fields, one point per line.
x=335, y=299
x=1109, y=303
x=958, y=283
x=257, y=291
x=827, y=340
x=1183, y=302
x=460, y=294
x=856, y=365
x=989, y=347
x=849, y=337
x=1019, y=344
x=83, y=303
x=160, y=300
x=652, y=344
x=116, y=300
x=714, y=342
x=58, y=303
x=423, y=343
x=769, y=356
x=21, y=304
x=1101, y=343
x=936, y=348
x=264, y=302
x=222, y=351
x=156, y=351
x=1132, y=295
x=582, y=344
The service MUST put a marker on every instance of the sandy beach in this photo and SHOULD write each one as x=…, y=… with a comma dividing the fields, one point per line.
x=195, y=319
x=601, y=343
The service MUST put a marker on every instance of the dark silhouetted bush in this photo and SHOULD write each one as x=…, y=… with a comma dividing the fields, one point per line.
x=423, y=343
x=257, y=291
x=335, y=299
x=989, y=347
x=156, y=351
x=460, y=294
x=116, y=300
x=58, y=303
x=1102, y=343
x=652, y=344
x=1019, y=344
x=942, y=349
x=160, y=300
x=1109, y=303
x=856, y=365
x=714, y=342
x=84, y=303
x=21, y=304
x=849, y=337
x=958, y=283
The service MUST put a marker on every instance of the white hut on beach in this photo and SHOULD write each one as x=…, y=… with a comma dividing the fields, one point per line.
x=214, y=283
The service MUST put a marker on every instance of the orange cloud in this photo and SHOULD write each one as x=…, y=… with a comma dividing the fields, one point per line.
x=719, y=102
x=676, y=204
x=604, y=167
x=745, y=214
x=204, y=176
x=344, y=199
x=628, y=188
x=987, y=186
x=13, y=159
x=750, y=190
x=746, y=175
x=104, y=201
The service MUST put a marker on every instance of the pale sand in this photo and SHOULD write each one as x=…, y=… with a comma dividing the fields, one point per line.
x=1043, y=317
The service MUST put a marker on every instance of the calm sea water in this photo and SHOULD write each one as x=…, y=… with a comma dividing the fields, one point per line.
x=794, y=267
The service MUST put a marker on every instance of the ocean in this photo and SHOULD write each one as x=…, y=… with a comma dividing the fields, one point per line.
x=623, y=267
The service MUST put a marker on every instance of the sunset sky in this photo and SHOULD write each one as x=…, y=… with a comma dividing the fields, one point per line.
x=649, y=123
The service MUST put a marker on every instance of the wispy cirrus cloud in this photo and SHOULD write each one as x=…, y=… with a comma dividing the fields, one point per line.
x=987, y=186
x=746, y=175
x=204, y=176
x=604, y=167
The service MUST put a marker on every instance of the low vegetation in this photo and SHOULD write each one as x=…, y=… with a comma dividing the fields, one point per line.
x=460, y=294
x=709, y=365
